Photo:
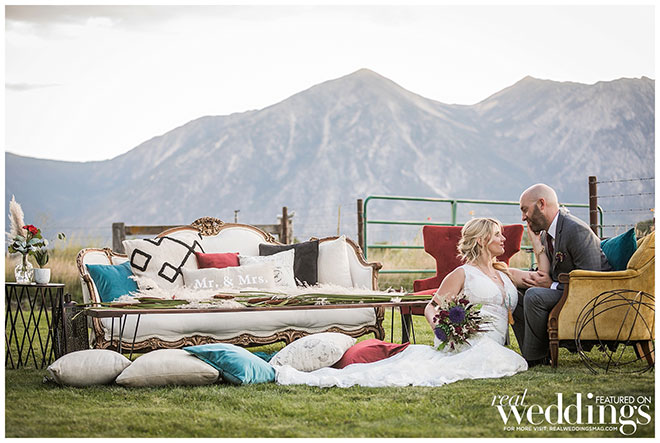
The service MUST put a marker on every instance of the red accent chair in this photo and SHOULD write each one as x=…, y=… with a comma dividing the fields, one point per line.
x=441, y=243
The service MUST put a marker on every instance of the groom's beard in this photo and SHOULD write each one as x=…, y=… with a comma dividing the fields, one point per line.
x=537, y=221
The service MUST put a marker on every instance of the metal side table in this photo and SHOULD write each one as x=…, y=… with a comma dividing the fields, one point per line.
x=33, y=316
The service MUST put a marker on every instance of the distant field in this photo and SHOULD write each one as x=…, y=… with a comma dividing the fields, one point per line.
x=63, y=262
x=393, y=259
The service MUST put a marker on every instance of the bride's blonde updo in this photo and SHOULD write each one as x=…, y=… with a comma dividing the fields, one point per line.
x=469, y=248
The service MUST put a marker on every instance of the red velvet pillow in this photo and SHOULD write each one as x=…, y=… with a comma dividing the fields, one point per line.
x=369, y=351
x=220, y=260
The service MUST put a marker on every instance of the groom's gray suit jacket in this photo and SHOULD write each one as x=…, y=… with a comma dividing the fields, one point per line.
x=575, y=247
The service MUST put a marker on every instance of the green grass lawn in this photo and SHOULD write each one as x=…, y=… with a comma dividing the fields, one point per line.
x=462, y=409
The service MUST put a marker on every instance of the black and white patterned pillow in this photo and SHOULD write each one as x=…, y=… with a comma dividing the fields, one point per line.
x=162, y=259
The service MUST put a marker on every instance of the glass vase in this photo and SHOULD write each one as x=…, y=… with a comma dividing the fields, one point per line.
x=24, y=271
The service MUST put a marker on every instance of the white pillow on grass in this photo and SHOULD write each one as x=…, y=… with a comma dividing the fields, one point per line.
x=282, y=263
x=88, y=367
x=168, y=367
x=333, y=265
x=314, y=351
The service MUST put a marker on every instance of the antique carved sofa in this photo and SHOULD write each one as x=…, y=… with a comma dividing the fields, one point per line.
x=211, y=235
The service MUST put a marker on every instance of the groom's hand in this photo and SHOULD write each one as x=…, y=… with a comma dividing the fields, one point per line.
x=538, y=279
x=534, y=237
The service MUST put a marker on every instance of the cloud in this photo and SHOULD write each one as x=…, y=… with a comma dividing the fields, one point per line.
x=120, y=16
x=138, y=17
x=21, y=87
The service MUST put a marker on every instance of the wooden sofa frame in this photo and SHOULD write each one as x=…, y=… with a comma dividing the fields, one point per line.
x=209, y=226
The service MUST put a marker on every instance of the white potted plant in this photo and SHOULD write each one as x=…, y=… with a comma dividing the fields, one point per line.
x=41, y=275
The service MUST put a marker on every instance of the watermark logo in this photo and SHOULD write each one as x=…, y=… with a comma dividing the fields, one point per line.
x=576, y=412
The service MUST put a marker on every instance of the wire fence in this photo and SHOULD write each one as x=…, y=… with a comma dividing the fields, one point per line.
x=627, y=203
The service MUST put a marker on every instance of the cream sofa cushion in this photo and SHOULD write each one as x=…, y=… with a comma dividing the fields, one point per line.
x=162, y=260
x=256, y=276
x=333, y=266
x=282, y=262
x=227, y=325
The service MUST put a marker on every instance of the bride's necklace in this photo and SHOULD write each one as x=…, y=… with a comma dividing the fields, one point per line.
x=500, y=286
x=486, y=272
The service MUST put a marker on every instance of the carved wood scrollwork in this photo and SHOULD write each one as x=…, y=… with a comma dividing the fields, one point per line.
x=208, y=226
x=269, y=238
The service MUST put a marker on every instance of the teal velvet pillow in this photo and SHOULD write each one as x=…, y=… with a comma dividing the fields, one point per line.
x=619, y=249
x=236, y=365
x=265, y=356
x=112, y=280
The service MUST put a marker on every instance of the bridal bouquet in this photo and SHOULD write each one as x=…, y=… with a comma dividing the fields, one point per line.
x=456, y=322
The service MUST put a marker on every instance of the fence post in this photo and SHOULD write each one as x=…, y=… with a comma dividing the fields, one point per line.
x=118, y=236
x=360, y=224
x=284, y=228
x=593, y=204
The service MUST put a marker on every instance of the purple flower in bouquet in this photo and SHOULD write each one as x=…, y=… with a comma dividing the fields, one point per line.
x=457, y=314
x=442, y=335
x=456, y=321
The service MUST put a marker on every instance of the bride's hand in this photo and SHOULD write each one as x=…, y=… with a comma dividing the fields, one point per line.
x=526, y=280
x=538, y=279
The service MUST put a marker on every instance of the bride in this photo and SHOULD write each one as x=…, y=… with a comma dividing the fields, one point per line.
x=482, y=280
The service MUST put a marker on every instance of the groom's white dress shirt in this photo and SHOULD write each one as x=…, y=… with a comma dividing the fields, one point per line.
x=552, y=231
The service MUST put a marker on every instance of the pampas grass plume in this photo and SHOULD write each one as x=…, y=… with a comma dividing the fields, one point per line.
x=16, y=222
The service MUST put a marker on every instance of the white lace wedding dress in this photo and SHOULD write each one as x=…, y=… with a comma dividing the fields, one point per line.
x=422, y=365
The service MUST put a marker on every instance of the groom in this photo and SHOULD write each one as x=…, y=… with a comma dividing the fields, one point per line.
x=569, y=244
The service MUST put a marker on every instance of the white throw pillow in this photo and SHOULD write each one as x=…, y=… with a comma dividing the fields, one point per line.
x=258, y=276
x=333, y=266
x=161, y=260
x=314, y=351
x=88, y=367
x=282, y=262
x=168, y=367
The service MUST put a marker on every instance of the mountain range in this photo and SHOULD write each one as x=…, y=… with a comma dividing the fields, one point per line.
x=320, y=150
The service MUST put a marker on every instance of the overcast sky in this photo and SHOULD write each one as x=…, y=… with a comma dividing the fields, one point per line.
x=90, y=83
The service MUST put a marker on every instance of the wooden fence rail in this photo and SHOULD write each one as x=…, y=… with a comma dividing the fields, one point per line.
x=283, y=231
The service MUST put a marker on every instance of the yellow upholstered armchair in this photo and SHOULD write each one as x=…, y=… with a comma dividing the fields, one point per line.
x=585, y=312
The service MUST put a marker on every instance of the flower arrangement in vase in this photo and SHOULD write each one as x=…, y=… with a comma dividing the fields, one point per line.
x=26, y=240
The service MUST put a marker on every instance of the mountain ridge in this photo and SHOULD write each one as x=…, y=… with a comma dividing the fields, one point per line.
x=350, y=137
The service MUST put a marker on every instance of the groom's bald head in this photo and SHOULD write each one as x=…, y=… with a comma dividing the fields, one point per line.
x=539, y=205
x=542, y=191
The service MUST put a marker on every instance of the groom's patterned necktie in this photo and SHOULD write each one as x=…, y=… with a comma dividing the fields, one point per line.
x=551, y=248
